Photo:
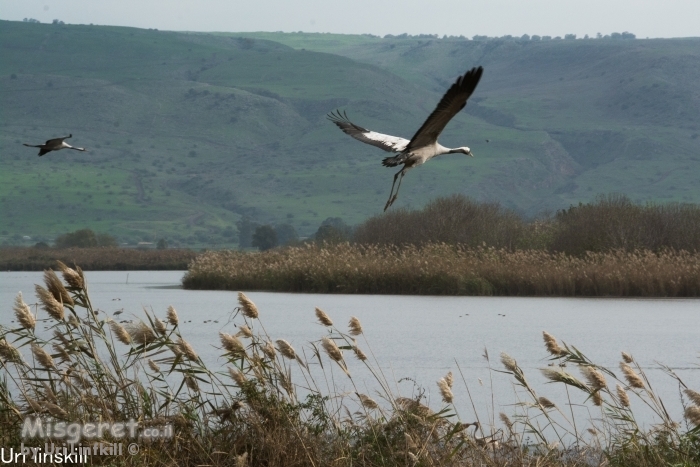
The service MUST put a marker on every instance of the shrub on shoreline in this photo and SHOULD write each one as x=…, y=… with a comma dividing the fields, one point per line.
x=441, y=269
x=95, y=259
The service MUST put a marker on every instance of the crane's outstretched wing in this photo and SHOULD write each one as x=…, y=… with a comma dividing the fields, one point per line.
x=385, y=142
x=57, y=141
x=452, y=102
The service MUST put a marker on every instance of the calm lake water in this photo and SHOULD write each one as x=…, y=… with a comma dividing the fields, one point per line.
x=422, y=338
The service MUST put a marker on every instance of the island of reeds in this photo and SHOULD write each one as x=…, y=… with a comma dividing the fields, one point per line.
x=455, y=246
x=272, y=405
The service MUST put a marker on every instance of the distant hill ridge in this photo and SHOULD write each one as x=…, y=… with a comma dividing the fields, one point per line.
x=187, y=132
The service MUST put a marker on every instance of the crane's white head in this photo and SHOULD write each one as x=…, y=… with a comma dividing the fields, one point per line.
x=463, y=150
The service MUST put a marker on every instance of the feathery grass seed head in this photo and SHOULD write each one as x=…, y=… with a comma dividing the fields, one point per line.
x=247, y=306
x=331, y=349
x=56, y=287
x=355, y=326
x=622, y=396
x=632, y=378
x=8, y=352
x=509, y=362
x=237, y=376
x=172, y=316
x=449, y=379
x=627, y=358
x=122, y=335
x=43, y=357
x=286, y=349
x=71, y=276
x=594, y=377
x=552, y=346
x=367, y=401
x=52, y=306
x=23, y=313
x=359, y=353
x=694, y=396
x=141, y=333
x=153, y=366
x=692, y=414
x=546, y=403
x=245, y=331
x=323, y=317
x=445, y=390
x=269, y=350
x=232, y=344
x=159, y=326
x=186, y=349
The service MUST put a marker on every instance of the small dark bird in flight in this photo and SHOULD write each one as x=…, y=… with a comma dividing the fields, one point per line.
x=54, y=145
x=423, y=146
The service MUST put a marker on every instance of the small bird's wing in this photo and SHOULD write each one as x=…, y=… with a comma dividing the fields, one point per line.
x=43, y=151
x=452, y=102
x=385, y=142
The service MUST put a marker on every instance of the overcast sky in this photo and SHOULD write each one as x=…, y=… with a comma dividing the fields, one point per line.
x=645, y=18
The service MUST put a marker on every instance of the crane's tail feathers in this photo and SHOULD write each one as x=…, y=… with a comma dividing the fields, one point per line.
x=393, y=161
x=31, y=145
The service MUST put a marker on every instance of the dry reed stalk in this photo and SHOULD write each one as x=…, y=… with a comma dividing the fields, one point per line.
x=594, y=377
x=153, y=366
x=160, y=326
x=23, y=313
x=237, y=376
x=622, y=396
x=692, y=414
x=33, y=405
x=232, y=344
x=52, y=306
x=546, y=403
x=332, y=349
x=43, y=357
x=242, y=460
x=247, y=306
x=140, y=333
x=367, y=401
x=9, y=353
x=355, y=326
x=57, y=289
x=694, y=396
x=286, y=349
x=71, y=276
x=323, y=317
x=171, y=316
x=632, y=378
x=122, y=335
x=245, y=331
x=551, y=344
x=627, y=358
x=187, y=350
x=445, y=390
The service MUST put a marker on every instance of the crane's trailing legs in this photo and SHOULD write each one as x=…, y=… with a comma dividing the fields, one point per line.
x=392, y=195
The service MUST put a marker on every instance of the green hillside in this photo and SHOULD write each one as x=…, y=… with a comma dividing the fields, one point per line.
x=188, y=132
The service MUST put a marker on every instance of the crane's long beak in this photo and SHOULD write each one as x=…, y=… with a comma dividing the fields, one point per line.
x=471, y=154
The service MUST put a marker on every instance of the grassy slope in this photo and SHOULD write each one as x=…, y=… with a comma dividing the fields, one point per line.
x=187, y=132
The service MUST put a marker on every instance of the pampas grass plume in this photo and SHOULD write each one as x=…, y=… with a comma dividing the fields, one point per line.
x=323, y=317
x=247, y=306
x=23, y=313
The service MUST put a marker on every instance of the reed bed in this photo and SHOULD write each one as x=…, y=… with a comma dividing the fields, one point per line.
x=266, y=407
x=450, y=270
x=95, y=259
